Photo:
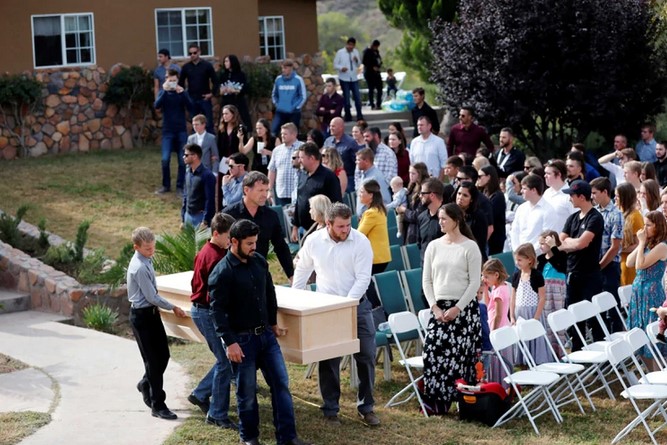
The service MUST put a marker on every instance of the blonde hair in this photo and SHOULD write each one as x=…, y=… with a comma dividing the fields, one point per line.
x=527, y=250
x=320, y=204
x=494, y=265
x=480, y=161
x=142, y=235
x=335, y=161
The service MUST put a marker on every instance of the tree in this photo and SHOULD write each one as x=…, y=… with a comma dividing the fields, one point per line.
x=413, y=18
x=554, y=71
x=20, y=98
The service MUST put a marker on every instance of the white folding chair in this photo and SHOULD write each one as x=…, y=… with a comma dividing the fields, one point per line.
x=584, y=311
x=403, y=323
x=539, y=397
x=424, y=317
x=605, y=302
x=638, y=339
x=562, y=320
x=624, y=294
x=652, y=330
x=532, y=329
x=619, y=351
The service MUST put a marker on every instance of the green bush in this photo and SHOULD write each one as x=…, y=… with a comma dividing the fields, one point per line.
x=100, y=317
x=9, y=227
x=68, y=257
x=176, y=253
x=20, y=97
x=260, y=77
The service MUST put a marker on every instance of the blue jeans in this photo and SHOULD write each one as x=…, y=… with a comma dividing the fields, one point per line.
x=354, y=86
x=281, y=118
x=173, y=141
x=194, y=220
x=263, y=352
x=204, y=107
x=215, y=384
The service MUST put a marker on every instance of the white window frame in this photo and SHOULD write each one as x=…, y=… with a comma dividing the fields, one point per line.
x=63, y=46
x=264, y=47
x=183, y=30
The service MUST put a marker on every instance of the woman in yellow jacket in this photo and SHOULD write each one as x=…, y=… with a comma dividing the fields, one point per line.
x=373, y=224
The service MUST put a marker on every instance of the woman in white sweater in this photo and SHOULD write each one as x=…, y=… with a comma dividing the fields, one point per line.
x=451, y=278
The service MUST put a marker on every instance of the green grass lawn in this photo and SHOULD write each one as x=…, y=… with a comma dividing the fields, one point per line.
x=114, y=189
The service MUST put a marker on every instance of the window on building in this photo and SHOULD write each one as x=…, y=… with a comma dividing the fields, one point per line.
x=178, y=28
x=64, y=39
x=272, y=37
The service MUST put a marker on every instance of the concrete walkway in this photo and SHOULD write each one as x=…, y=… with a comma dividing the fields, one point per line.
x=87, y=379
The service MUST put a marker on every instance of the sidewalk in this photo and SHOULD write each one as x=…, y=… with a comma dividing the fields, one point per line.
x=94, y=398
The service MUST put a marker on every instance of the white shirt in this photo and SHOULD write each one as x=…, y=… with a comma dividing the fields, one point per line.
x=615, y=170
x=349, y=60
x=343, y=268
x=530, y=221
x=199, y=138
x=562, y=205
x=431, y=151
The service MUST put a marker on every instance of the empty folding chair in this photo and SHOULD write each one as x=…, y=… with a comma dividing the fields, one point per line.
x=411, y=256
x=403, y=323
x=651, y=331
x=412, y=287
x=606, y=302
x=561, y=321
x=538, y=400
x=624, y=294
x=585, y=311
x=424, y=316
x=396, y=262
x=529, y=330
x=619, y=351
x=638, y=341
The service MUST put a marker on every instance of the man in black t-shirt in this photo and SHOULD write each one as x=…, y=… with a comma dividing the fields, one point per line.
x=581, y=239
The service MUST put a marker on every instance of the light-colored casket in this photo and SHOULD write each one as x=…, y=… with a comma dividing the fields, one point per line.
x=320, y=326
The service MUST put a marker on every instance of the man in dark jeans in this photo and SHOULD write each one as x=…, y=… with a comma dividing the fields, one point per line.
x=212, y=393
x=244, y=305
x=372, y=63
x=581, y=239
x=202, y=84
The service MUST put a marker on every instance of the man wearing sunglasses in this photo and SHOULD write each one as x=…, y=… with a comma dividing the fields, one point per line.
x=201, y=82
x=232, y=182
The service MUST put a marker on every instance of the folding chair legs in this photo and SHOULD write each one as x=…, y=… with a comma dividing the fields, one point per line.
x=641, y=418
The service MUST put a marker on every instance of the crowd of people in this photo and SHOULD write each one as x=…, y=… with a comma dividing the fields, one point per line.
x=575, y=227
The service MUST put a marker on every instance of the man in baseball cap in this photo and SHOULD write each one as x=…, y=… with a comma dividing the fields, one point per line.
x=582, y=239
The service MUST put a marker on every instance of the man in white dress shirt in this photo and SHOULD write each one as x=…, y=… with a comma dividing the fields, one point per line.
x=554, y=173
x=342, y=258
x=346, y=63
x=533, y=216
x=429, y=149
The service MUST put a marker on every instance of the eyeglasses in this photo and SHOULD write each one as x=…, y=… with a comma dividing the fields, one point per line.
x=193, y=53
x=526, y=167
x=231, y=166
x=461, y=179
x=324, y=155
x=185, y=155
x=294, y=158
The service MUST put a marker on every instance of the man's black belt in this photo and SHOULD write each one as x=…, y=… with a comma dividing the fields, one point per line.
x=145, y=310
x=259, y=330
x=201, y=305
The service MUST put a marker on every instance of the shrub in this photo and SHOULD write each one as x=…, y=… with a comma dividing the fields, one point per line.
x=100, y=317
x=68, y=257
x=176, y=253
x=20, y=97
x=9, y=227
x=260, y=77
x=132, y=87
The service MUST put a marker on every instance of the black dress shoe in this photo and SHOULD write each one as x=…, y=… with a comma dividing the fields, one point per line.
x=145, y=392
x=251, y=442
x=225, y=424
x=164, y=413
x=203, y=405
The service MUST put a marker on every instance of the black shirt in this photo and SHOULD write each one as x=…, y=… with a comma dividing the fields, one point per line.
x=536, y=279
x=661, y=172
x=198, y=77
x=270, y=230
x=429, y=229
x=476, y=220
x=558, y=261
x=242, y=296
x=497, y=239
x=586, y=260
x=322, y=182
x=427, y=111
x=199, y=193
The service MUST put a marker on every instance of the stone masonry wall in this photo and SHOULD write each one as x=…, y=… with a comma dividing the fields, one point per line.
x=74, y=117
